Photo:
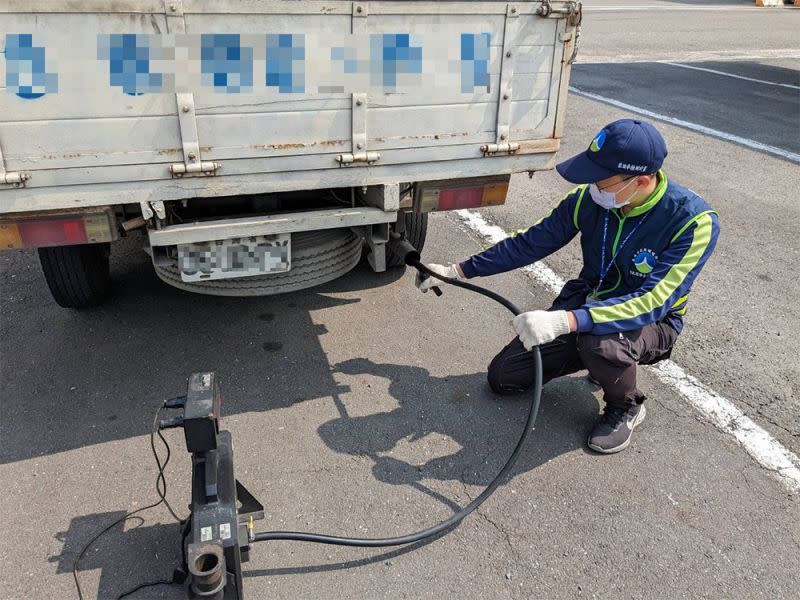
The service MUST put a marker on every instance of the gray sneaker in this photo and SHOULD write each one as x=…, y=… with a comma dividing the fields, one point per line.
x=613, y=431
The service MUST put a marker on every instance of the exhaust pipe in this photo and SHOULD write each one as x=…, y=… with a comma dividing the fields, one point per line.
x=402, y=247
x=207, y=567
x=412, y=258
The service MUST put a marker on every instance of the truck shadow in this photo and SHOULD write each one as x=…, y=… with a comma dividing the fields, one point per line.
x=129, y=554
x=76, y=378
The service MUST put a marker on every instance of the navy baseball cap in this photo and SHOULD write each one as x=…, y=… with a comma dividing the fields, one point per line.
x=626, y=146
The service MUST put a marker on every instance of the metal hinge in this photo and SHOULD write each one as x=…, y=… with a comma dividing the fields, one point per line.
x=359, y=19
x=505, y=91
x=173, y=10
x=13, y=178
x=507, y=147
x=192, y=164
x=359, y=133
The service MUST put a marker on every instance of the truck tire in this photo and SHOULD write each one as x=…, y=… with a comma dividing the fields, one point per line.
x=415, y=233
x=317, y=257
x=78, y=276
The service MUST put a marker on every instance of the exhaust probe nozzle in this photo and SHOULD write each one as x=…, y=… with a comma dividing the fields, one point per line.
x=412, y=258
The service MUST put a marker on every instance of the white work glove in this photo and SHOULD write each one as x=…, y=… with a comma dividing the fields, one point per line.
x=538, y=327
x=426, y=283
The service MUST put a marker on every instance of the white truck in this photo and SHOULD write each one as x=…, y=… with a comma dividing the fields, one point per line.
x=264, y=146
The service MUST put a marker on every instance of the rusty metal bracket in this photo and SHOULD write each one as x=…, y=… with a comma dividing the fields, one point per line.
x=575, y=20
x=11, y=178
x=575, y=14
x=359, y=134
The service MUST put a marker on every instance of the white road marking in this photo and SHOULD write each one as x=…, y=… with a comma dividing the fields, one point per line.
x=721, y=412
x=715, y=72
x=649, y=7
x=792, y=156
x=693, y=56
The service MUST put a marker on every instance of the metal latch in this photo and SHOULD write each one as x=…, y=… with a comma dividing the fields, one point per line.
x=545, y=9
x=192, y=164
x=573, y=10
x=359, y=127
x=490, y=149
x=367, y=157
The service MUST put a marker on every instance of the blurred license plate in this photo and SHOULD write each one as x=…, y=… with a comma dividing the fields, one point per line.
x=236, y=257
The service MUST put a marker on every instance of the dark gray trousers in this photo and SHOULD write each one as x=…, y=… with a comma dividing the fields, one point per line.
x=611, y=359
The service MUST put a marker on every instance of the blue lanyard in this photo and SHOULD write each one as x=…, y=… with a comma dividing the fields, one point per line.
x=605, y=268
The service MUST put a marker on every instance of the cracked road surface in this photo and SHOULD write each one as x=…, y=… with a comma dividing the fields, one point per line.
x=392, y=425
x=383, y=428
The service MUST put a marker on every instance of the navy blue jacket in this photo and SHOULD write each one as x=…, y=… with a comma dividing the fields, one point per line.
x=652, y=274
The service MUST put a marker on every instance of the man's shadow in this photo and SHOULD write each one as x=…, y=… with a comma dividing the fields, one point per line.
x=484, y=425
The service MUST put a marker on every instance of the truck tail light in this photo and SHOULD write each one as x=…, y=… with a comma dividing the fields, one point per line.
x=462, y=193
x=56, y=229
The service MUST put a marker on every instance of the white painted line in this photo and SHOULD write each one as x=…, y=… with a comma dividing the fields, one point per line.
x=661, y=7
x=715, y=72
x=494, y=234
x=792, y=156
x=769, y=453
x=721, y=412
x=693, y=56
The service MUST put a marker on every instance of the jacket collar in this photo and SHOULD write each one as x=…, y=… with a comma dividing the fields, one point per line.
x=652, y=200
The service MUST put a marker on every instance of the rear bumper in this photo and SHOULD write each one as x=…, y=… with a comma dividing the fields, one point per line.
x=204, y=231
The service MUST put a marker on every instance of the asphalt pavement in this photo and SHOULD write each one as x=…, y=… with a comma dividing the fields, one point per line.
x=361, y=407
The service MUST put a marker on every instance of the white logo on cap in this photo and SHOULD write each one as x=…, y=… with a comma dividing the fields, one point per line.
x=629, y=167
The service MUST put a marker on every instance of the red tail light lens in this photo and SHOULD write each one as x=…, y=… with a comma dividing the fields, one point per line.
x=28, y=230
x=56, y=232
x=455, y=194
x=460, y=198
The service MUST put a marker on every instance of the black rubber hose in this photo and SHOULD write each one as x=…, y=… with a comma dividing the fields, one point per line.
x=412, y=259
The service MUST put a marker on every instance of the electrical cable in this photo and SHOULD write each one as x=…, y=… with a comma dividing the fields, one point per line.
x=412, y=259
x=145, y=585
x=162, y=500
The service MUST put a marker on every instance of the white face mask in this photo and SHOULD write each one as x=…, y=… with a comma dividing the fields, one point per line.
x=608, y=200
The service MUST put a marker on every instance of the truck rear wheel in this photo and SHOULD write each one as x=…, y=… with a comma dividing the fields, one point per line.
x=317, y=257
x=78, y=276
x=416, y=230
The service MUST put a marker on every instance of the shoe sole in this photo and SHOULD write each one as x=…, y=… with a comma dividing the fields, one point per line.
x=639, y=418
